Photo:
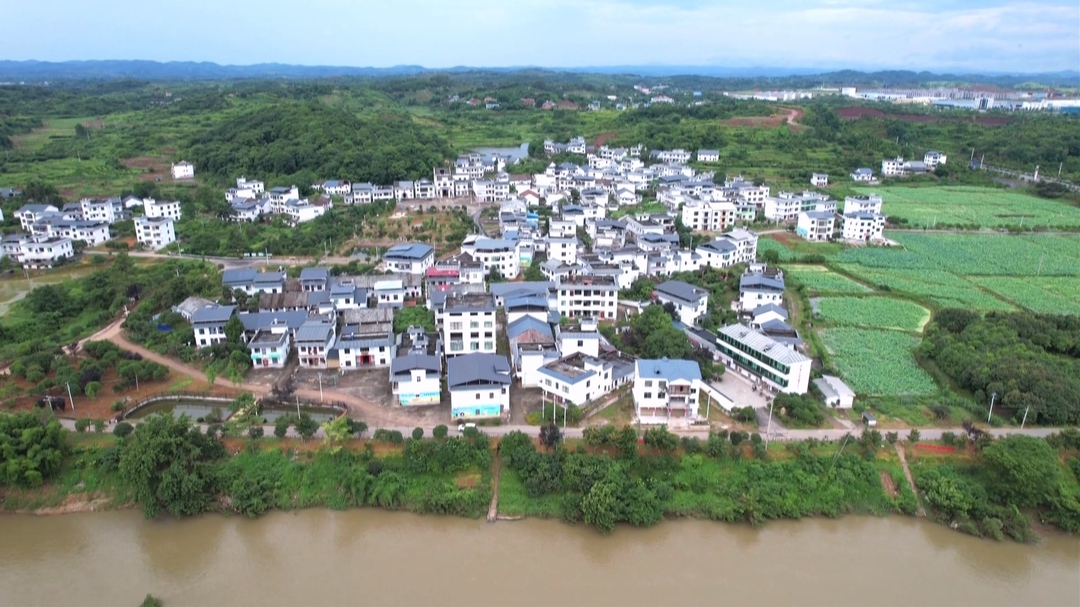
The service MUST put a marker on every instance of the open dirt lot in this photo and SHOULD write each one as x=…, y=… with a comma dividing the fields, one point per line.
x=373, y=385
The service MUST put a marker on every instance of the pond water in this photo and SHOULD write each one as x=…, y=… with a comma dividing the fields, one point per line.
x=320, y=414
x=192, y=408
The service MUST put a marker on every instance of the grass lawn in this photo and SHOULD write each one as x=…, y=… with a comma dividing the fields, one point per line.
x=513, y=501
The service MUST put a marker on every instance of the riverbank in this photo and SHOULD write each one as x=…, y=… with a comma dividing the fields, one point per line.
x=591, y=481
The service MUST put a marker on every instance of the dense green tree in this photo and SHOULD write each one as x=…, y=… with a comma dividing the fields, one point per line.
x=1024, y=471
x=414, y=316
x=32, y=448
x=168, y=465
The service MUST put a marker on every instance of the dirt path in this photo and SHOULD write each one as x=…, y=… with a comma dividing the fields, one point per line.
x=496, y=472
x=910, y=480
x=356, y=405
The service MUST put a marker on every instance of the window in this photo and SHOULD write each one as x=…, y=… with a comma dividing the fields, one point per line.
x=455, y=326
x=648, y=383
x=487, y=324
x=491, y=395
x=477, y=396
x=474, y=325
x=648, y=395
x=489, y=345
x=580, y=342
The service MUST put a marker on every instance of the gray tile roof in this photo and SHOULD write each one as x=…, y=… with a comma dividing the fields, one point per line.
x=213, y=315
x=404, y=364
x=668, y=369
x=527, y=323
x=477, y=369
x=314, y=274
x=678, y=289
x=763, y=344
x=758, y=311
x=314, y=332
x=409, y=250
x=761, y=282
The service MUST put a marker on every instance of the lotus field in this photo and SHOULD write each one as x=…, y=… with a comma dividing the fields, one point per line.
x=1047, y=294
x=971, y=254
x=875, y=362
x=818, y=279
x=975, y=207
x=942, y=288
x=874, y=311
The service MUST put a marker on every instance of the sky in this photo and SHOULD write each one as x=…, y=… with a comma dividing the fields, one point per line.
x=939, y=35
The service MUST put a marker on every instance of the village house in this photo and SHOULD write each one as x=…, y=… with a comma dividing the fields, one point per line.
x=208, y=325
x=161, y=208
x=863, y=204
x=183, y=170
x=756, y=355
x=367, y=338
x=532, y=345
x=280, y=195
x=409, y=257
x=314, y=279
x=588, y=296
x=37, y=252
x=708, y=215
x=933, y=158
x=862, y=174
x=819, y=180
x=496, y=254
x=863, y=227
x=155, y=233
x=479, y=386
x=416, y=370
x=787, y=206
x=758, y=289
x=691, y=303
x=575, y=379
x=314, y=340
x=29, y=214
x=837, y=394
x=708, y=155
x=816, y=226
x=468, y=324
x=270, y=347
x=665, y=390
x=251, y=281
x=99, y=210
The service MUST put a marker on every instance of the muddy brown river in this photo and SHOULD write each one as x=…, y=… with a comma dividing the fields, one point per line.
x=372, y=557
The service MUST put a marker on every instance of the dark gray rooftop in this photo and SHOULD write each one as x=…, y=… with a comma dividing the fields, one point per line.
x=477, y=369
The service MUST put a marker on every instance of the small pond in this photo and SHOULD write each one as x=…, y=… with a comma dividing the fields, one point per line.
x=320, y=414
x=194, y=409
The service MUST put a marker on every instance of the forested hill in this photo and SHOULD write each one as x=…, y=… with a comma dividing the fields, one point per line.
x=306, y=141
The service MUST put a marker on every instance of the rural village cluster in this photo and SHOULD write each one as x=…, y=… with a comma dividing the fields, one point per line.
x=345, y=323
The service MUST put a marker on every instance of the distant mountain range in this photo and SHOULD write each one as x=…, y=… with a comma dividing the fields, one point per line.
x=42, y=71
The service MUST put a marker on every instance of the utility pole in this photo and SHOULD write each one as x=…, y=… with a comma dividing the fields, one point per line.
x=1024, y=421
x=136, y=382
x=320, y=388
x=972, y=159
x=1060, y=164
x=71, y=398
x=768, y=427
x=993, y=395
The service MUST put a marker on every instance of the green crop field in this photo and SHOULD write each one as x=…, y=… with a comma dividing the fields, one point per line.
x=974, y=254
x=768, y=244
x=875, y=311
x=939, y=287
x=1048, y=294
x=970, y=206
x=877, y=362
x=819, y=279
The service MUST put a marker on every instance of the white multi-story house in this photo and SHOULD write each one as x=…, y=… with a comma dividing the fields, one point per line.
x=183, y=170
x=38, y=252
x=787, y=206
x=98, y=210
x=563, y=249
x=574, y=379
x=416, y=371
x=254, y=185
x=719, y=253
x=708, y=215
x=491, y=191
x=666, y=390
x=708, y=155
x=816, y=225
x=335, y=187
x=495, y=253
x=893, y=167
x=691, y=303
x=588, y=297
x=676, y=156
x=281, y=195
x=582, y=337
x=314, y=339
x=155, y=233
x=819, y=180
x=479, y=386
x=932, y=159
x=773, y=363
x=270, y=347
x=863, y=204
x=367, y=338
x=409, y=257
x=208, y=324
x=249, y=210
x=759, y=289
x=92, y=233
x=745, y=243
x=862, y=174
x=864, y=227
x=29, y=214
x=161, y=208
x=360, y=193
x=468, y=324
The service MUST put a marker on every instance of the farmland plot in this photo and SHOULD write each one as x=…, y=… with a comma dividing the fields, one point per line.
x=944, y=289
x=877, y=362
x=966, y=206
x=819, y=279
x=874, y=311
x=1047, y=294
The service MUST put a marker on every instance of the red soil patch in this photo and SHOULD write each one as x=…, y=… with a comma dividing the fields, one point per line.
x=784, y=238
x=602, y=139
x=935, y=448
x=757, y=121
x=888, y=484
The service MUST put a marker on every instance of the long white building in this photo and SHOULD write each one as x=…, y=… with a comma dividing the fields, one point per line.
x=755, y=354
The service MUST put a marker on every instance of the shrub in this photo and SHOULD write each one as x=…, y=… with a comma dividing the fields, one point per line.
x=256, y=431
x=892, y=437
x=281, y=426
x=418, y=433
x=99, y=426
x=123, y=429
x=117, y=407
x=82, y=424
x=440, y=431
x=914, y=436
x=948, y=438
x=691, y=445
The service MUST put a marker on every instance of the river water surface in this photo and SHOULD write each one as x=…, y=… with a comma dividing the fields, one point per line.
x=373, y=557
